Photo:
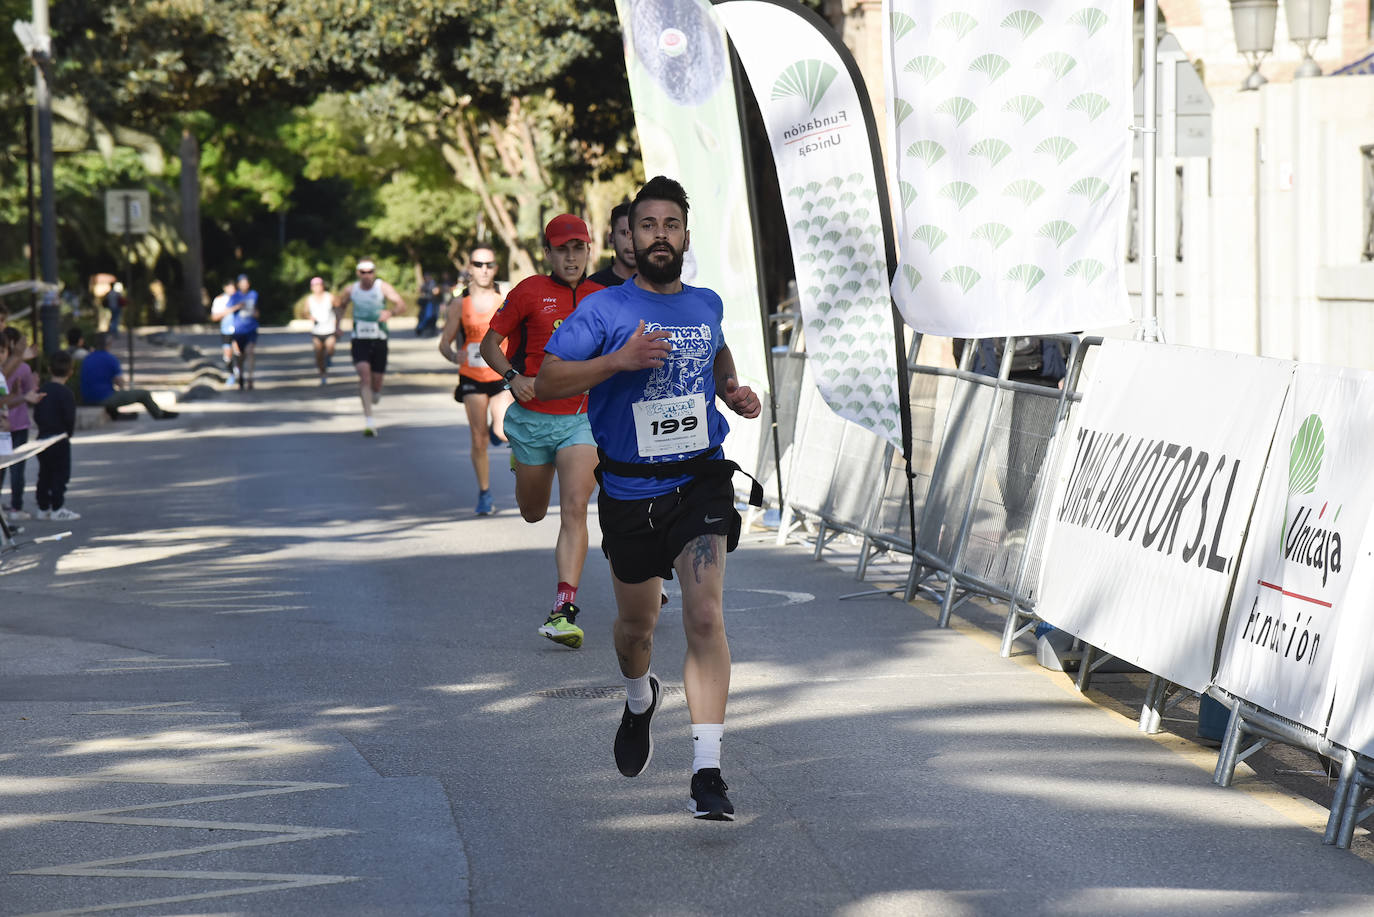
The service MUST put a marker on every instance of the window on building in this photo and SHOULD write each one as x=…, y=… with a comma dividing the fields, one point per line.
x=1133, y=215
x=1368, y=154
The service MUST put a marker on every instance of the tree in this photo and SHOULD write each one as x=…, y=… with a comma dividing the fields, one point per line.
x=500, y=113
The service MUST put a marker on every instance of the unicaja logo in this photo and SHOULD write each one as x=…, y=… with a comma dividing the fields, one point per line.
x=808, y=79
x=1311, y=539
x=1305, y=455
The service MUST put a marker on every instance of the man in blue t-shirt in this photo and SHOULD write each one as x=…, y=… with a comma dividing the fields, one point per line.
x=102, y=383
x=652, y=355
x=243, y=306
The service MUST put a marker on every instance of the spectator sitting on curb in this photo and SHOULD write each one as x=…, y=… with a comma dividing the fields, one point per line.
x=102, y=383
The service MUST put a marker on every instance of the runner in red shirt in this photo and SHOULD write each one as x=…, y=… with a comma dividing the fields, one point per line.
x=549, y=438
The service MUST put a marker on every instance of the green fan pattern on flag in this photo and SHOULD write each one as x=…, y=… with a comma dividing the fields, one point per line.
x=851, y=321
x=817, y=122
x=1010, y=123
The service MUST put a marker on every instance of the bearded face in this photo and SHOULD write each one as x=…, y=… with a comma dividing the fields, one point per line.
x=660, y=240
x=660, y=262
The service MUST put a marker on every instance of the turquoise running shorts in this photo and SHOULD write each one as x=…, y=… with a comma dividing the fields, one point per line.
x=535, y=438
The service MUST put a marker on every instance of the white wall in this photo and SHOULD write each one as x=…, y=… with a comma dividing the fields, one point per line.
x=1315, y=298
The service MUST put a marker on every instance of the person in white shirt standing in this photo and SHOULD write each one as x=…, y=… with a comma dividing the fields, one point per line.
x=324, y=325
x=374, y=303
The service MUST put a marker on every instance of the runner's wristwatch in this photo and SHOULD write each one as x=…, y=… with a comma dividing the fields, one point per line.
x=509, y=375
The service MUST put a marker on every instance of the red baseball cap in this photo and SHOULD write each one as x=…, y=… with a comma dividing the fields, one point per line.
x=564, y=228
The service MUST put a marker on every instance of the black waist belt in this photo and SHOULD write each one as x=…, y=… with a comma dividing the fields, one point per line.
x=704, y=464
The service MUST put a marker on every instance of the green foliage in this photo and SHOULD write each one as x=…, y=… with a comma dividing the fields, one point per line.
x=410, y=212
x=326, y=128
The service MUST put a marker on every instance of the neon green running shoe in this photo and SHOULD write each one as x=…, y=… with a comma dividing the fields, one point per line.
x=560, y=627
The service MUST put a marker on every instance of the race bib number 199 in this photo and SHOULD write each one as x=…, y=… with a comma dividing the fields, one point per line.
x=671, y=425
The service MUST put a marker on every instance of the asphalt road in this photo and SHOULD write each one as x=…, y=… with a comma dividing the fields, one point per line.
x=281, y=669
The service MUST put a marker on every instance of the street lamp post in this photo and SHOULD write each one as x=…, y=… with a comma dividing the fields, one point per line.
x=1254, y=22
x=1307, y=21
x=37, y=42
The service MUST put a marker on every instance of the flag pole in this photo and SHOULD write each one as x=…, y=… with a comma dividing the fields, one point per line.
x=1149, y=62
x=751, y=197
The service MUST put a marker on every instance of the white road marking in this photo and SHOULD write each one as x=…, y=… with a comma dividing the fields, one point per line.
x=788, y=599
x=153, y=664
x=157, y=710
x=269, y=881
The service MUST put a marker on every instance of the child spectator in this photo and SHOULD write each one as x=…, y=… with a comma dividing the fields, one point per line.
x=19, y=381
x=55, y=415
x=76, y=344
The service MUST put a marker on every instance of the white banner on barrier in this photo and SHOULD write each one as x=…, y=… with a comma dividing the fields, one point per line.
x=1292, y=599
x=1152, y=500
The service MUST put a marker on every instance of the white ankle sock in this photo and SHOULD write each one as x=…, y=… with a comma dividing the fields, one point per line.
x=706, y=745
x=639, y=694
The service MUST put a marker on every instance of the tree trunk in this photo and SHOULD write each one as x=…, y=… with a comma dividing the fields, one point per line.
x=417, y=267
x=192, y=266
x=495, y=208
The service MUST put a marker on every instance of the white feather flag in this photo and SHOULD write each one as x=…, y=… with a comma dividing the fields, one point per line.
x=1010, y=133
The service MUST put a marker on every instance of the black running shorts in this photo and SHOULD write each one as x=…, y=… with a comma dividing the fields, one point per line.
x=642, y=538
x=370, y=351
x=468, y=386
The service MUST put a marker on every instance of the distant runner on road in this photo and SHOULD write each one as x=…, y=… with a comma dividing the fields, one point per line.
x=654, y=359
x=369, y=297
x=243, y=304
x=219, y=312
x=480, y=388
x=324, y=325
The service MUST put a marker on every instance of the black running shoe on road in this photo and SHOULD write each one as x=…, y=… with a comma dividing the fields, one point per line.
x=634, y=746
x=709, y=801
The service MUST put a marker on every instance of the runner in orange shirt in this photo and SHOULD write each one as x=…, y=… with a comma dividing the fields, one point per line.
x=480, y=388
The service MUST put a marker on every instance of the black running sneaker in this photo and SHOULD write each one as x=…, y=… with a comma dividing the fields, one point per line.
x=634, y=746
x=709, y=801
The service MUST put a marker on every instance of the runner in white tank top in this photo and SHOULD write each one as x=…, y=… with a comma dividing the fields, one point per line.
x=374, y=302
x=324, y=325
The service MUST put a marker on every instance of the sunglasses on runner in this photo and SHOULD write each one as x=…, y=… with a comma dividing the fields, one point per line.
x=484, y=264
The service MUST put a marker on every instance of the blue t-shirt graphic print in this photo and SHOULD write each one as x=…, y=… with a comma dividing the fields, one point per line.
x=652, y=415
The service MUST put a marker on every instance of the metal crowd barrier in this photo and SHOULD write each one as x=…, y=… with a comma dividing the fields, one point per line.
x=989, y=489
x=981, y=454
x=1357, y=773
x=984, y=456
x=1021, y=616
x=1248, y=721
x=8, y=540
x=779, y=412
